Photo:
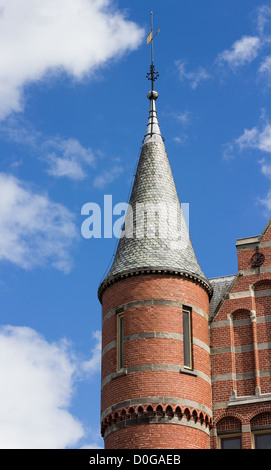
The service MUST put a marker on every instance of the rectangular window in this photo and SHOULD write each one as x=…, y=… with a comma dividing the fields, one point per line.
x=230, y=442
x=120, y=340
x=262, y=440
x=187, y=338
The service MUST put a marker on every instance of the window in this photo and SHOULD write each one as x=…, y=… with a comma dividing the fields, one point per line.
x=120, y=340
x=187, y=338
x=230, y=442
x=262, y=440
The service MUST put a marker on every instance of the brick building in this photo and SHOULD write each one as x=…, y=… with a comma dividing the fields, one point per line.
x=186, y=360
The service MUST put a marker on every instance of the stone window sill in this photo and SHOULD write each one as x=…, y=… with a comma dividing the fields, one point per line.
x=247, y=400
x=184, y=370
x=119, y=373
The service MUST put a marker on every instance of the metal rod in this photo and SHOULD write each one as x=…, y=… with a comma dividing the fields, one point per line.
x=152, y=38
x=152, y=75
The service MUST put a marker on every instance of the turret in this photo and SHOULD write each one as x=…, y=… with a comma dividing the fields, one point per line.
x=156, y=379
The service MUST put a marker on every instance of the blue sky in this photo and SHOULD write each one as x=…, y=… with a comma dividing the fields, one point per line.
x=73, y=113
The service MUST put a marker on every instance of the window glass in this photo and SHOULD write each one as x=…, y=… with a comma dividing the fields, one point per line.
x=187, y=339
x=231, y=442
x=263, y=441
x=120, y=333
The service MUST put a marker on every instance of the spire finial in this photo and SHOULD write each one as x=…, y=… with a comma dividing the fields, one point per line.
x=152, y=75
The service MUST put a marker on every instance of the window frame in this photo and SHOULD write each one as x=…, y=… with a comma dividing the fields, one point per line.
x=229, y=436
x=187, y=339
x=255, y=433
x=120, y=341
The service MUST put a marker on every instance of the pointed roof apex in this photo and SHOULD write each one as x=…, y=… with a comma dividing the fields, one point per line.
x=155, y=237
x=153, y=133
x=167, y=247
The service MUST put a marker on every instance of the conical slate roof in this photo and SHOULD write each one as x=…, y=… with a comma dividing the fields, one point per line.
x=156, y=238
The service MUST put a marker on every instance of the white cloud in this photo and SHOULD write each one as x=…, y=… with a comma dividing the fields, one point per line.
x=255, y=138
x=72, y=160
x=35, y=391
x=182, y=117
x=249, y=138
x=242, y=51
x=180, y=140
x=194, y=78
x=265, y=66
x=258, y=139
x=265, y=168
x=107, y=177
x=37, y=386
x=64, y=157
x=40, y=37
x=91, y=446
x=266, y=203
x=94, y=363
x=263, y=16
x=265, y=69
x=34, y=231
x=228, y=151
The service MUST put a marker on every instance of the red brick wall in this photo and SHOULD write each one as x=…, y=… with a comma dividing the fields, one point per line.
x=155, y=353
x=240, y=346
x=157, y=436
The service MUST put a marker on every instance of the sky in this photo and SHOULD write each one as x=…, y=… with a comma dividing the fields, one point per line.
x=73, y=113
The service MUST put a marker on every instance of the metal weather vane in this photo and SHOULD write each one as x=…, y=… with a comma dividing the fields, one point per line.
x=152, y=75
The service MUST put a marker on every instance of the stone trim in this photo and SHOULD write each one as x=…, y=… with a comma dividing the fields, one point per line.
x=154, y=270
x=148, y=302
x=111, y=345
x=249, y=272
x=155, y=368
x=239, y=349
x=249, y=244
x=240, y=376
x=153, y=334
x=249, y=400
x=263, y=319
x=173, y=401
x=156, y=420
x=244, y=294
x=259, y=319
x=240, y=295
x=157, y=335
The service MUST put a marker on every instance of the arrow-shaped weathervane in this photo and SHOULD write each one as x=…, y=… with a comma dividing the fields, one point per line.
x=152, y=75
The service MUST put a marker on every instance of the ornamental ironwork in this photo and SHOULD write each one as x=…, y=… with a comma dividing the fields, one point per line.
x=257, y=259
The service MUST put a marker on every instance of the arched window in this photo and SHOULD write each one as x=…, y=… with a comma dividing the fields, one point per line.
x=261, y=431
x=229, y=433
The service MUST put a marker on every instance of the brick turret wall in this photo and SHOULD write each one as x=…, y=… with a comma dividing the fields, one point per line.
x=153, y=401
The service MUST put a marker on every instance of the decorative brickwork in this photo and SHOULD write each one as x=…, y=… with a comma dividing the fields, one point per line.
x=241, y=344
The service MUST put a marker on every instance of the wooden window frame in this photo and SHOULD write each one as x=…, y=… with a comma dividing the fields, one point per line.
x=229, y=436
x=187, y=339
x=262, y=431
x=120, y=341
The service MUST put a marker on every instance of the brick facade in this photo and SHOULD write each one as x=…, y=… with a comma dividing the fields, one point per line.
x=241, y=347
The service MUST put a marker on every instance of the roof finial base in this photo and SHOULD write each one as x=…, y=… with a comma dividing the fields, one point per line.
x=153, y=95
